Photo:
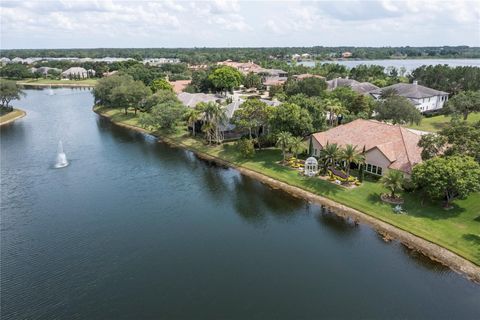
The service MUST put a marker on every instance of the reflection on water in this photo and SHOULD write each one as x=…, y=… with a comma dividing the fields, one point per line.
x=136, y=229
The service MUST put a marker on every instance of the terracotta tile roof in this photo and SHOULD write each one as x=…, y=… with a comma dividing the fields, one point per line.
x=399, y=145
x=180, y=85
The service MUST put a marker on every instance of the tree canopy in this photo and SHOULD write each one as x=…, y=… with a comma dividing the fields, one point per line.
x=448, y=178
x=9, y=90
x=291, y=118
x=226, y=78
x=463, y=103
x=397, y=109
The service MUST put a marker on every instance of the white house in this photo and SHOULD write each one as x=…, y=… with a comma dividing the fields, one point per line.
x=76, y=72
x=426, y=100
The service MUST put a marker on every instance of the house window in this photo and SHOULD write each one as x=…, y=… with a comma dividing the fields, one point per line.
x=315, y=151
x=374, y=169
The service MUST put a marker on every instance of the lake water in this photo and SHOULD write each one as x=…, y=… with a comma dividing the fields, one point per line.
x=408, y=64
x=134, y=229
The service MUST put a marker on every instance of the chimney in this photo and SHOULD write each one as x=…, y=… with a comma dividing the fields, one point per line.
x=415, y=82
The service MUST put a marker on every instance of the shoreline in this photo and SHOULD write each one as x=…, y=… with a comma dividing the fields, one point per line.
x=434, y=251
x=20, y=114
x=42, y=85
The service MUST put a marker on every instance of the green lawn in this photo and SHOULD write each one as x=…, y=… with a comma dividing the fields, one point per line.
x=437, y=123
x=457, y=229
x=86, y=82
x=8, y=115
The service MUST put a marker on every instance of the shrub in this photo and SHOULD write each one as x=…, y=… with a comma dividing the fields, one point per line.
x=245, y=147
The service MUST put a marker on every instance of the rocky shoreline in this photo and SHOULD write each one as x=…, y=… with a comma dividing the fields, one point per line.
x=427, y=248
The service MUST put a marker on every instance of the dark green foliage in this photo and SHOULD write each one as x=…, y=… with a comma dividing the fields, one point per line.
x=9, y=90
x=245, y=147
x=289, y=117
x=15, y=71
x=397, y=109
x=310, y=87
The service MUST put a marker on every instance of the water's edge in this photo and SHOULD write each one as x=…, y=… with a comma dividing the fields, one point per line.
x=427, y=248
x=21, y=115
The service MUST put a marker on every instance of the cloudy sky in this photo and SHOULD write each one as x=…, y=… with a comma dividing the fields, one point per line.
x=169, y=23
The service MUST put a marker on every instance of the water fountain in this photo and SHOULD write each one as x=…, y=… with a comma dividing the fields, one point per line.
x=50, y=91
x=61, y=157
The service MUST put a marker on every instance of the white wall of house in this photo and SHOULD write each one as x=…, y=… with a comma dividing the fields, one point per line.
x=431, y=104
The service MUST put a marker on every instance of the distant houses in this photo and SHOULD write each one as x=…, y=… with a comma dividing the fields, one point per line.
x=426, y=100
x=359, y=87
x=78, y=73
x=385, y=146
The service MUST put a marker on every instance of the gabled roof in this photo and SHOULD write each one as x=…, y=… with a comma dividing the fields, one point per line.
x=192, y=99
x=399, y=145
x=360, y=87
x=411, y=90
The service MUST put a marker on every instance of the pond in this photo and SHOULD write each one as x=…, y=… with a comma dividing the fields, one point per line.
x=135, y=229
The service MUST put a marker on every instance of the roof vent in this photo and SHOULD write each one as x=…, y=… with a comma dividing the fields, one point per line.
x=415, y=82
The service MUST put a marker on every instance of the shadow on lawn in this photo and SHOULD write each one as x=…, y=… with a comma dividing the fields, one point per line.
x=474, y=238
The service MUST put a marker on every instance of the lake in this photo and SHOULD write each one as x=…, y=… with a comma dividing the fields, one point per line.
x=135, y=229
x=408, y=64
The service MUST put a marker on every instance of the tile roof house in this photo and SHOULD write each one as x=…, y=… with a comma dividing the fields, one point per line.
x=192, y=99
x=386, y=146
x=359, y=87
x=243, y=67
x=423, y=98
x=179, y=85
x=304, y=76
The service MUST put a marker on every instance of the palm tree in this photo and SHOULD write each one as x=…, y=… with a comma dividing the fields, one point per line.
x=296, y=144
x=393, y=181
x=215, y=115
x=329, y=155
x=284, y=140
x=334, y=107
x=193, y=116
x=207, y=129
x=351, y=155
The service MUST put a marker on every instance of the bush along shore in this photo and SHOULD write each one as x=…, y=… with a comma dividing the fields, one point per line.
x=444, y=236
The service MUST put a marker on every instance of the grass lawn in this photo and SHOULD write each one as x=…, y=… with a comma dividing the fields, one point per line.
x=88, y=82
x=9, y=115
x=437, y=123
x=457, y=229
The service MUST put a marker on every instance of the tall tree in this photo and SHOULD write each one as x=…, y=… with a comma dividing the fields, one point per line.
x=329, y=155
x=290, y=117
x=463, y=103
x=297, y=146
x=130, y=94
x=226, y=78
x=397, y=109
x=9, y=90
x=284, y=140
x=252, y=80
x=350, y=155
x=214, y=116
x=448, y=178
x=160, y=84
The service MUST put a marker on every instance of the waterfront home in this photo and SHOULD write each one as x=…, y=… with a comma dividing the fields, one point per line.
x=45, y=70
x=347, y=54
x=192, y=99
x=425, y=99
x=385, y=146
x=304, y=76
x=359, y=87
x=77, y=72
x=243, y=67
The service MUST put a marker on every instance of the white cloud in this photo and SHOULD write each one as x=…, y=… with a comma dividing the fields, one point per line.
x=121, y=23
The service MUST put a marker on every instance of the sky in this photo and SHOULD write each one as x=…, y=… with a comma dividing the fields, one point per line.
x=170, y=23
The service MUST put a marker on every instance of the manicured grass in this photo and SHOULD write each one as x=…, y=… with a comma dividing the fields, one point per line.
x=6, y=116
x=86, y=82
x=437, y=123
x=457, y=229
